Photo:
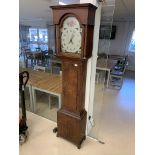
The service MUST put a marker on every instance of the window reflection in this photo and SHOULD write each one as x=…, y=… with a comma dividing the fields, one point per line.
x=33, y=34
x=43, y=35
x=38, y=39
x=132, y=43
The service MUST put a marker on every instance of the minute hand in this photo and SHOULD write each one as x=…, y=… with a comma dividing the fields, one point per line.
x=71, y=40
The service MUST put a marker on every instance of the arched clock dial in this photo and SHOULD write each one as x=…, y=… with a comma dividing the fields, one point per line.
x=71, y=35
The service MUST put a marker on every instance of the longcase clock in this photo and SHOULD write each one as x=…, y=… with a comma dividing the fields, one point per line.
x=74, y=25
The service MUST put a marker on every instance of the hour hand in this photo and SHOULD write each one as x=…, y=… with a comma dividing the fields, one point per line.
x=71, y=39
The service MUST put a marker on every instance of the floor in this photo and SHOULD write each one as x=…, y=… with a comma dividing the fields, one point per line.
x=114, y=115
x=42, y=141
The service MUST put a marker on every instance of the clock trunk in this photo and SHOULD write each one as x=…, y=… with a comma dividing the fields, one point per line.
x=72, y=115
x=74, y=78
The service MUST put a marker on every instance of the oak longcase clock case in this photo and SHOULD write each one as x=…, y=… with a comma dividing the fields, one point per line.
x=74, y=25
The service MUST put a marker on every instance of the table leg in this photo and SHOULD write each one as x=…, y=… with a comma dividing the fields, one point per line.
x=31, y=100
x=31, y=62
x=26, y=63
x=34, y=99
x=59, y=102
x=108, y=78
x=49, y=100
x=51, y=68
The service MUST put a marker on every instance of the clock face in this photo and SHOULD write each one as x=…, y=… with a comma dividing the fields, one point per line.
x=71, y=35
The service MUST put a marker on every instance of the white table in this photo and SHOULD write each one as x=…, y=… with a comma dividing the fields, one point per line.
x=105, y=65
x=45, y=82
x=30, y=93
x=45, y=91
x=105, y=69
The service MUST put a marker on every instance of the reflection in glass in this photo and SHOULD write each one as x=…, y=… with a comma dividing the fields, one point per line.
x=43, y=47
x=43, y=35
x=33, y=47
x=38, y=39
x=33, y=34
x=106, y=35
x=132, y=43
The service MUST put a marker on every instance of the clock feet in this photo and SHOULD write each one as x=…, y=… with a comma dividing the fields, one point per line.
x=79, y=145
x=55, y=129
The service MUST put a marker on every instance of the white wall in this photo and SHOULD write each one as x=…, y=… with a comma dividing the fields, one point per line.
x=119, y=45
x=91, y=72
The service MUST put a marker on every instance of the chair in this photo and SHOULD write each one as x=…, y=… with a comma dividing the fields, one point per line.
x=117, y=73
x=38, y=56
x=28, y=56
x=39, y=68
x=46, y=55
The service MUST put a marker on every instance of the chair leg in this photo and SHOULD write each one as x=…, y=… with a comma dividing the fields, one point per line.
x=60, y=101
x=97, y=78
x=31, y=99
x=108, y=78
x=26, y=63
x=49, y=101
x=34, y=100
x=35, y=61
x=121, y=82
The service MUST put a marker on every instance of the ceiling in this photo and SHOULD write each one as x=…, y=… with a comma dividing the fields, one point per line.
x=38, y=11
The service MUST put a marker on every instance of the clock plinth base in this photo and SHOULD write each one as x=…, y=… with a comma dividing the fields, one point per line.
x=71, y=126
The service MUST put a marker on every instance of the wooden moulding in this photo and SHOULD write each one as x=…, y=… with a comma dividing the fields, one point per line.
x=85, y=12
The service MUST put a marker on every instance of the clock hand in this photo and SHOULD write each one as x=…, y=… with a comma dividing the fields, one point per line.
x=71, y=40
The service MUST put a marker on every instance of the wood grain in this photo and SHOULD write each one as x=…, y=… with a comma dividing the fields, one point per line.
x=43, y=80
